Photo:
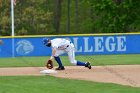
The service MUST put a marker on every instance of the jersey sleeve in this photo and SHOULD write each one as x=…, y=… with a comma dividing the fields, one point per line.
x=54, y=45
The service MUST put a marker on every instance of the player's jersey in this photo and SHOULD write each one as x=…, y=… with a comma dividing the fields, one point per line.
x=60, y=43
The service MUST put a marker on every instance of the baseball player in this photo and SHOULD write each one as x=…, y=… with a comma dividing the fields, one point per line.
x=60, y=46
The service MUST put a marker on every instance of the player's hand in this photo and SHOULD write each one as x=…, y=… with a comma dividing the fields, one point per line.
x=51, y=58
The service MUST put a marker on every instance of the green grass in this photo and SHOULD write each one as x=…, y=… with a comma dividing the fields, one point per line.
x=49, y=84
x=94, y=59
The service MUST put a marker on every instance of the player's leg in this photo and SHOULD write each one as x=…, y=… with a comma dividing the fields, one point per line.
x=71, y=55
x=72, y=60
x=58, y=60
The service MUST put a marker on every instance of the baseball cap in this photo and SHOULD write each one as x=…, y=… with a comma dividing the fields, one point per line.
x=45, y=41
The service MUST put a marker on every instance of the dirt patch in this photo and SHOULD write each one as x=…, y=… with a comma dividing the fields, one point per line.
x=120, y=74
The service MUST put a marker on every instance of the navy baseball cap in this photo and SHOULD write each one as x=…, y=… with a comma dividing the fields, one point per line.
x=45, y=41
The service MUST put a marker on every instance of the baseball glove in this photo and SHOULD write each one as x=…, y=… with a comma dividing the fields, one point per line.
x=49, y=64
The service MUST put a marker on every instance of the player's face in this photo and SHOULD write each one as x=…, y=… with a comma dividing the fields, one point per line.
x=49, y=43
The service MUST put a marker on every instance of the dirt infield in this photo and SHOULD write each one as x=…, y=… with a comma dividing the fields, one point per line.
x=120, y=74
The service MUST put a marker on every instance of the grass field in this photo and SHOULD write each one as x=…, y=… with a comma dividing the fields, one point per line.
x=48, y=84
x=95, y=60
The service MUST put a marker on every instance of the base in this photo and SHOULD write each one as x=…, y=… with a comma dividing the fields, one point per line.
x=49, y=71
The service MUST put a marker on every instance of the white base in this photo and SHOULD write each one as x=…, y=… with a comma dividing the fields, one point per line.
x=49, y=71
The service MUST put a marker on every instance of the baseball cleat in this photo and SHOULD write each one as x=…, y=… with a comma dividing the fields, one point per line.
x=87, y=64
x=60, y=68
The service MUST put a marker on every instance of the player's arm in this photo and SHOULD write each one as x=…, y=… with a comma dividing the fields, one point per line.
x=53, y=53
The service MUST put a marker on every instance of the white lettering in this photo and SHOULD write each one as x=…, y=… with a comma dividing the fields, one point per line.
x=75, y=41
x=121, y=43
x=99, y=44
x=87, y=45
x=110, y=46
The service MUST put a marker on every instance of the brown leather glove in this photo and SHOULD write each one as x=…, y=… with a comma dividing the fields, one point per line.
x=49, y=64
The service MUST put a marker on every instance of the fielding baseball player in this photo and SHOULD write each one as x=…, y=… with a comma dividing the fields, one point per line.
x=60, y=46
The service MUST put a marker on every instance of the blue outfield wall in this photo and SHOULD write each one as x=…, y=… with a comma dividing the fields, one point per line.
x=84, y=45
